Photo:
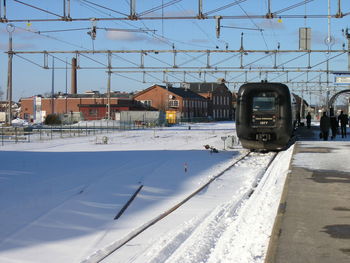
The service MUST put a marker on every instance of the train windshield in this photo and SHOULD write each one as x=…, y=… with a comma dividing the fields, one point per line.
x=261, y=103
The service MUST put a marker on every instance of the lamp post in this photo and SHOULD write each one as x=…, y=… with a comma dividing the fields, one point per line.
x=10, y=29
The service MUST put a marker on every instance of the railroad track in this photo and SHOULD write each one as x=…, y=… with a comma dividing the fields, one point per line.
x=102, y=254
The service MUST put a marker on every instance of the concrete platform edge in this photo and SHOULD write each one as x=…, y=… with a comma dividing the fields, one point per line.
x=276, y=230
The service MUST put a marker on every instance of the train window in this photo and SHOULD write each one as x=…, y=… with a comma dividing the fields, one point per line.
x=264, y=103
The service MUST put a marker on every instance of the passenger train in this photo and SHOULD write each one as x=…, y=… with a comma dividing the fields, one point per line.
x=265, y=116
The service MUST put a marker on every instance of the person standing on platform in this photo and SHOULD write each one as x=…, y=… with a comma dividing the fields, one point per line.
x=325, y=124
x=308, y=120
x=334, y=126
x=343, y=119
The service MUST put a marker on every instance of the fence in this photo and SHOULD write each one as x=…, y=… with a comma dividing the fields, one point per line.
x=48, y=132
x=91, y=128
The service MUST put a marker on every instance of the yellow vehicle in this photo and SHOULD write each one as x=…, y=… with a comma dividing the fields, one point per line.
x=171, y=116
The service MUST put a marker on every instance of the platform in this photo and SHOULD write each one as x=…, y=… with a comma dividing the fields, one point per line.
x=313, y=220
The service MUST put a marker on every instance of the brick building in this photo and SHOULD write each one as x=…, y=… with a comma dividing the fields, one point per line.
x=219, y=96
x=186, y=103
x=91, y=104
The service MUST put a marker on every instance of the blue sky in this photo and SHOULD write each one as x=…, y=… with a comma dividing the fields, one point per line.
x=29, y=79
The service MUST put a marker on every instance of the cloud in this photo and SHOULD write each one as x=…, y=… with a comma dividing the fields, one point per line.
x=125, y=36
x=272, y=24
x=136, y=37
x=200, y=41
x=17, y=46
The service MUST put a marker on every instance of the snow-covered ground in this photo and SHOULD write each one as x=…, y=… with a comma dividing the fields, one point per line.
x=58, y=198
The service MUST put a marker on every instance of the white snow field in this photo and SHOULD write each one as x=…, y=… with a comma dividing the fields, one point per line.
x=58, y=198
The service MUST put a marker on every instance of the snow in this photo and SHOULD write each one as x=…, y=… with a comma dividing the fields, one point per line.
x=59, y=198
x=321, y=161
x=19, y=122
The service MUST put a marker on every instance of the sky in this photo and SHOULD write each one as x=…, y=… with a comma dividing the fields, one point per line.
x=262, y=34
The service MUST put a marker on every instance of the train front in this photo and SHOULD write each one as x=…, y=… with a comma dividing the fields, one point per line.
x=263, y=116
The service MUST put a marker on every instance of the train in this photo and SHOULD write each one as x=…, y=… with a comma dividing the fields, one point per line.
x=266, y=116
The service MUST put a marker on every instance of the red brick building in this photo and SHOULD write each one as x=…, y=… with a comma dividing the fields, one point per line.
x=185, y=102
x=92, y=105
x=219, y=97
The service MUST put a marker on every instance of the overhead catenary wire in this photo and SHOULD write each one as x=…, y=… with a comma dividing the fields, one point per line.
x=104, y=7
x=147, y=30
x=38, y=8
x=292, y=7
x=168, y=63
x=154, y=9
x=224, y=7
x=244, y=28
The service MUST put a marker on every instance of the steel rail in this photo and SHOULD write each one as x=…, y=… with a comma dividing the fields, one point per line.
x=164, y=214
x=245, y=196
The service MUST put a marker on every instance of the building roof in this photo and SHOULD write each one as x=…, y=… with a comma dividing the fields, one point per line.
x=182, y=92
x=205, y=87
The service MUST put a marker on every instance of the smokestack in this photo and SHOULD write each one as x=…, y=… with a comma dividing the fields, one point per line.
x=74, y=76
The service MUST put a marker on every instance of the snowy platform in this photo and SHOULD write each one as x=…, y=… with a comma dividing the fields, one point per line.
x=312, y=224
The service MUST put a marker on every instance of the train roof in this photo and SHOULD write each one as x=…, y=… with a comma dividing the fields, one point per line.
x=247, y=88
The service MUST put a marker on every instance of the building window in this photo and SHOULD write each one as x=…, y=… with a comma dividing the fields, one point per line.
x=146, y=102
x=173, y=103
x=93, y=112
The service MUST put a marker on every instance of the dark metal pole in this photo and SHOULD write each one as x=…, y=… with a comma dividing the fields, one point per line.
x=4, y=10
x=347, y=34
x=53, y=87
x=66, y=96
x=200, y=9
x=132, y=10
x=109, y=95
x=10, y=29
x=68, y=8
x=339, y=13
x=109, y=86
x=269, y=14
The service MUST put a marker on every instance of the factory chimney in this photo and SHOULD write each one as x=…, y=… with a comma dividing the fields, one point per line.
x=74, y=76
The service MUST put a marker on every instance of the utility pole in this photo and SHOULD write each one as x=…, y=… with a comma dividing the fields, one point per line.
x=10, y=29
x=109, y=86
x=329, y=42
x=347, y=34
x=109, y=95
x=200, y=9
x=53, y=87
x=132, y=15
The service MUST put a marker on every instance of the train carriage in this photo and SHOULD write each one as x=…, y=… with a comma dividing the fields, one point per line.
x=265, y=117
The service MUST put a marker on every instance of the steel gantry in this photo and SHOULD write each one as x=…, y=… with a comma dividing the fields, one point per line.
x=200, y=62
x=66, y=14
x=297, y=67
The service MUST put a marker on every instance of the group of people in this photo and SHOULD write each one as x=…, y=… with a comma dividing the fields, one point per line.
x=332, y=123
